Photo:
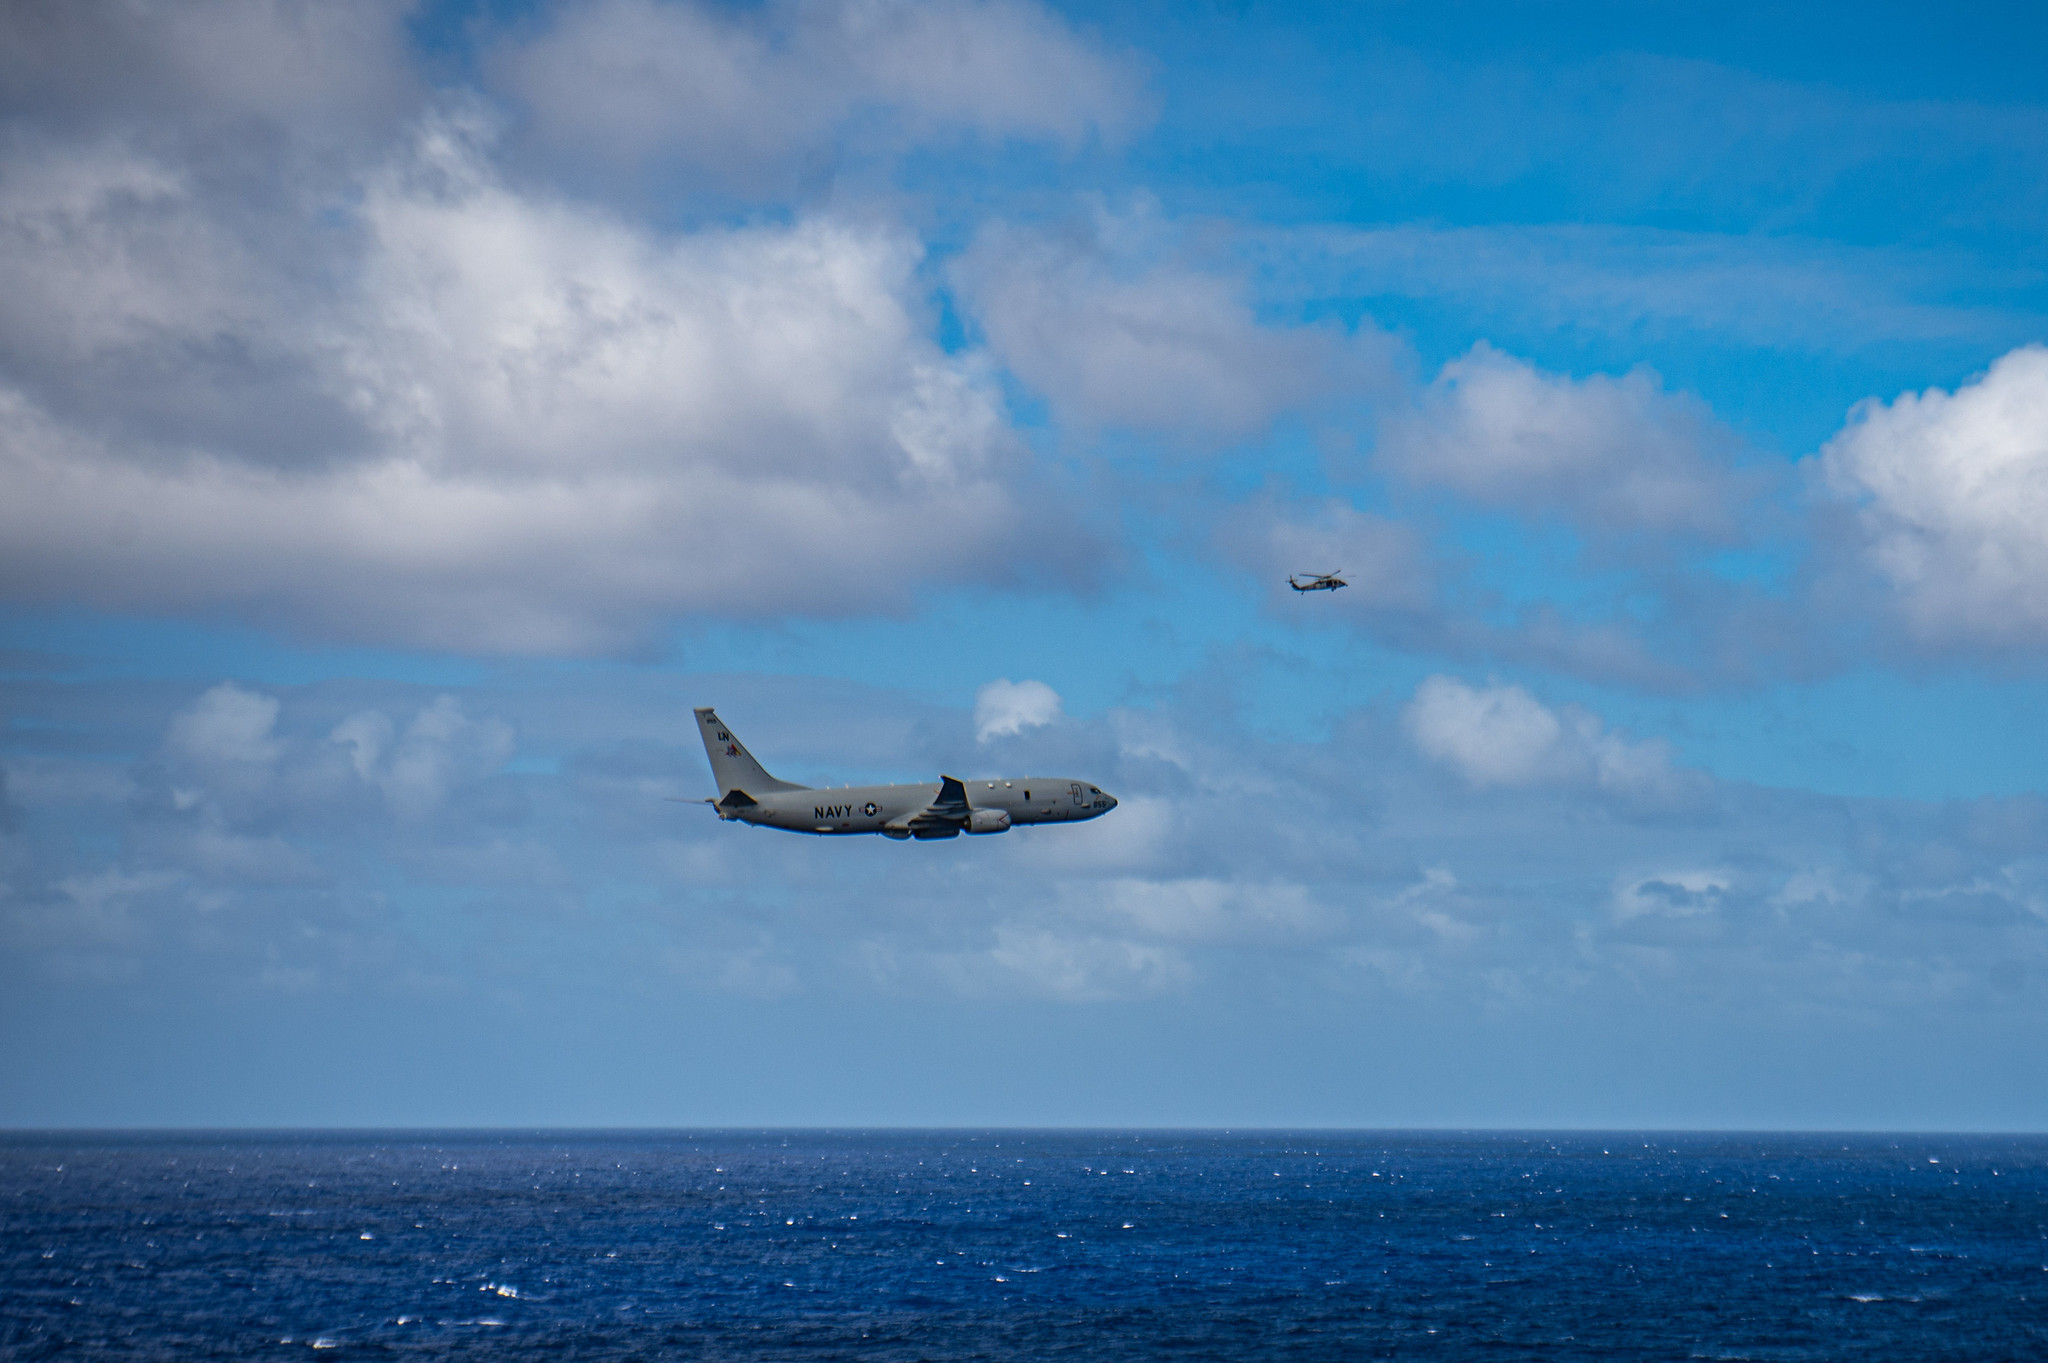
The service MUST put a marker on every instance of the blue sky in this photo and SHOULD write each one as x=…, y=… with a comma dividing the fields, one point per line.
x=408, y=412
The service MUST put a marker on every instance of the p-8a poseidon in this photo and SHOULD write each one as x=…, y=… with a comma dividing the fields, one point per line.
x=746, y=792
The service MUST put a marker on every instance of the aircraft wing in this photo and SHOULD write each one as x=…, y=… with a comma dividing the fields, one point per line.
x=945, y=816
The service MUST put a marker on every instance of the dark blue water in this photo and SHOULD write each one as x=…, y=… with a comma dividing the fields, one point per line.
x=1023, y=1245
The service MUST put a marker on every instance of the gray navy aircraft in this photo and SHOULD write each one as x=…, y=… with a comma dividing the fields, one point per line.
x=747, y=792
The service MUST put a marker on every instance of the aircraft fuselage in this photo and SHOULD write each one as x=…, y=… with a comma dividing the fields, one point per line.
x=886, y=809
x=946, y=808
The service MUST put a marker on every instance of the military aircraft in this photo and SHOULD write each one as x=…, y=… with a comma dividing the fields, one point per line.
x=747, y=792
x=1317, y=582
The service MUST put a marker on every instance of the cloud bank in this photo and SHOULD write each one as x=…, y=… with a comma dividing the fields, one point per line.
x=747, y=96
x=1106, y=319
x=1508, y=856
x=301, y=342
x=415, y=402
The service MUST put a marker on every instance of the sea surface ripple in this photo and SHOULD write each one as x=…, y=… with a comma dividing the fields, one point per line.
x=1023, y=1245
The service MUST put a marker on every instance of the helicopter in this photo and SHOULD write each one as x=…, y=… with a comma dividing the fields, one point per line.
x=1317, y=582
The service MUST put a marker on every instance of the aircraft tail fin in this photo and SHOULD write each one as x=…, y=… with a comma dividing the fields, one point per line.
x=732, y=766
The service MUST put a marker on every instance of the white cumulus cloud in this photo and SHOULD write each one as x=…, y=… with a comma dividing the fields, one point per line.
x=1615, y=454
x=418, y=767
x=227, y=724
x=1503, y=736
x=1115, y=331
x=1953, y=493
x=1004, y=707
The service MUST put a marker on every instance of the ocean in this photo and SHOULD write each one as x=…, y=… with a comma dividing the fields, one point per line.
x=1022, y=1245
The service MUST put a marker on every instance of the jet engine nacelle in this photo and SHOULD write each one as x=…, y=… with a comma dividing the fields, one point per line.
x=988, y=821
